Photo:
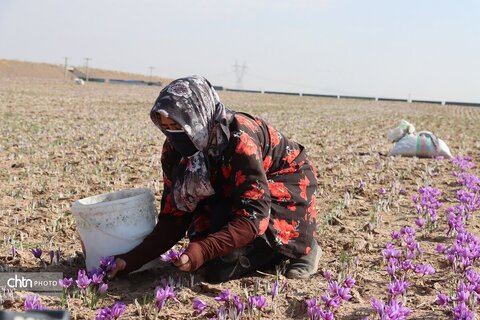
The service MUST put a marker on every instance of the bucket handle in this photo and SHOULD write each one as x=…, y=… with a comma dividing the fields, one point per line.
x=108, y=233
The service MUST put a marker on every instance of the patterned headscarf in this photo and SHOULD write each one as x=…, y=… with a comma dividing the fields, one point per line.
x=195, y=106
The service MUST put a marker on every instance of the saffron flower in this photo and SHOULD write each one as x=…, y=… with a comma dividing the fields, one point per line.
x=103, y=288
x=114, y=312
x=107, y=263
x=398, y=287
x=118, y=309
x=199, y=305
x=275, y=287
x=97, y=278
x=172, y=255
x=349, y=282
x=65, y=283
x=224, y=296
x=32, y=302
x=327, y=275
x=257, y=302
x=393, y=310
x=424, y=269
x=239, y=305
x=51, y=254
x=82, y=280
x=37, y=253
x=442, y=299
x=162, y=295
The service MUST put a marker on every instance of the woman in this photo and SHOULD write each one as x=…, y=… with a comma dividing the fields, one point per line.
x=242, y=191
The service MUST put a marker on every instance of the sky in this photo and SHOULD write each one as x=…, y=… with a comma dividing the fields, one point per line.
x=417, y=49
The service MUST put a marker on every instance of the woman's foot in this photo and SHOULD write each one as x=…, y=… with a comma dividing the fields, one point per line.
x=305, y=266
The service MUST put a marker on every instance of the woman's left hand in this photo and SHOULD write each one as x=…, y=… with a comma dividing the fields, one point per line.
x=184, y=263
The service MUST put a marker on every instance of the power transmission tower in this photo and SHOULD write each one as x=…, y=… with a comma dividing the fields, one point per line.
x=239, y=73
x=86, y=68
x=66, y=66
x=151, y=69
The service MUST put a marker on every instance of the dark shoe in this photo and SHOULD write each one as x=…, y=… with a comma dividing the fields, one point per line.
x=305, y=266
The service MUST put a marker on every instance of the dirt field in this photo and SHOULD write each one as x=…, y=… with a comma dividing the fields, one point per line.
x=60, y=143
x=28, y=70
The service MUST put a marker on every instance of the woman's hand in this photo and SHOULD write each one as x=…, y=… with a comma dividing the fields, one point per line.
x=184, y=263
x=120, y=265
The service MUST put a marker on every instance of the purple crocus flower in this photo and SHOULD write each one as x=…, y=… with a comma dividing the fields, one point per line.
x=57, y=255
x=172, y=255
x=463, y=293
x=107, y=263
x=258, y=302
x=395, y=235
x=239, y=305
x=382, y=191
x=392, y=266
x=32, y=302
x=349, y=282
x=440, y=248
x=393, y=310
x=326, y=315
x=407, y=265
x=472, y=276
x=314, y=312
x=424, y=269
x=224, y=296
x=275, y=287
x=396, y=310
x=14, y=252
x=37, y=253
x=199, y=305
x=331, y=302
x=96, y=272
x=420, y=222
x=222, y=313
x=104, y=314
x=398, y=287
x=311, y=302
x=97, y=279
x=162, y=295
x=51, y=254
x=65, y=283
x=442, y=299
x=378, y=306
x=82, y=280
x=103, y=288
x=409, y=231
x=338, y=291
x=391, y=252
x=461, y=311
x=118, y=309
x=464, y=163
x=327, y=275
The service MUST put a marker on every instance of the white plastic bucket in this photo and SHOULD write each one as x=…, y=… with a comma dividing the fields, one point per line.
x=114, y=223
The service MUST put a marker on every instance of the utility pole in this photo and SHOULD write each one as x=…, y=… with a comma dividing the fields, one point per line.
x=86, y=68
x=151, y=69
x=65, y=71
x=239, y=73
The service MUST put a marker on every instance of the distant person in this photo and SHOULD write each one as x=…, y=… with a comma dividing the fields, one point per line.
x=242, y=191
